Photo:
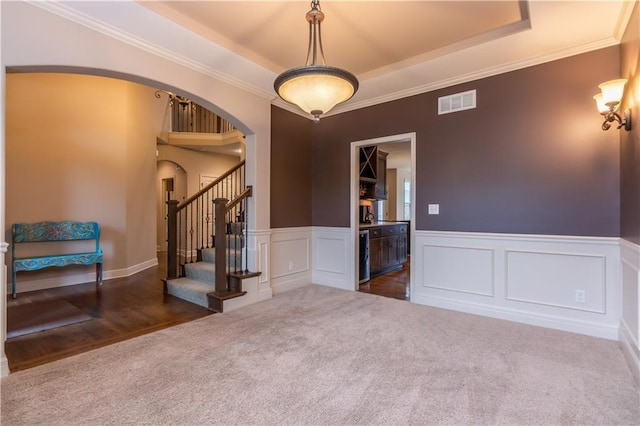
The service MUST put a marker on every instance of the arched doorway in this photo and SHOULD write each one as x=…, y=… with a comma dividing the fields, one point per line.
x=171, y=184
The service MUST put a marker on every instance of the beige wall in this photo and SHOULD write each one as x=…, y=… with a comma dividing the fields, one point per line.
x=197, y=163
x=83, y=148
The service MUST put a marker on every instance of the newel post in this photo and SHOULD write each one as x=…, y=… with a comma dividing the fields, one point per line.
x=172, y=239
x=220, y=207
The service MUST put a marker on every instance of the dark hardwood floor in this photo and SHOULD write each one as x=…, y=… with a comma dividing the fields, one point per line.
x=124, y=308
x=393, y=284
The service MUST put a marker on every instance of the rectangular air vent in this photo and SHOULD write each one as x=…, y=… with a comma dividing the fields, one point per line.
x=457, y=102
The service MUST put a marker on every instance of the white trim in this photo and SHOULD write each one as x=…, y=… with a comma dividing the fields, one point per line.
x=630, y=350
x=545, y=306
x=4, y=367
x=630, y=339
x=472, y=76
x=333, y=263
x=78, y=17
x=355, y=196
x=603, y=295
x=623, y=19
x=291, y=267
x=531, y=318
x=573, y=239
x=258, y=260
x=259, y=74
x=67, y=280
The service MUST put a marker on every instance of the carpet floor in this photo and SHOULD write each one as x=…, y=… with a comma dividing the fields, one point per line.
x=318, y=355
x=40, y=316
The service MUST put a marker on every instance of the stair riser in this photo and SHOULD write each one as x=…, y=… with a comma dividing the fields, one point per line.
x=200, y=271
x=209, y=255
x=185, y=292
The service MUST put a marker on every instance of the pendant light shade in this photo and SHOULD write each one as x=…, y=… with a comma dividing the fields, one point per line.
x=315, y=87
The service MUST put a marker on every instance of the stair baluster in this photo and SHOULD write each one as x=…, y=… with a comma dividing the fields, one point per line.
x=192, y=228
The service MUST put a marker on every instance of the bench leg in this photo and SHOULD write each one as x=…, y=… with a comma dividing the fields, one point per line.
x=98, y=275
x=13, y=284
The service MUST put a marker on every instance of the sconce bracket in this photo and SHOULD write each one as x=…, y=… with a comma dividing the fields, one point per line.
x=627, y=120
x=611, y=116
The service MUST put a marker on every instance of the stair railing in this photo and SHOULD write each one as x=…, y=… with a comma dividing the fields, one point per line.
x=194, y=224
x=231, y=254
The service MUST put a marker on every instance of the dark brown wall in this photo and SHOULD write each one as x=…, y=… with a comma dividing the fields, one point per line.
x=630, y=141
x=531, y=158
x=290, y=169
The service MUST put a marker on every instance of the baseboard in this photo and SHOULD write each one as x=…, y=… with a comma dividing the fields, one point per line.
x=134, y=269
x=67, y=280
x=265, y=293
x=4, y=367
x=280, y=286
x=630, y=350
x=523, y=317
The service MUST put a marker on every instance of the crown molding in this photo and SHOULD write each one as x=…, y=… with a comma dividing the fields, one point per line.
x=68, y=12
x=623, y=19
x=71, y=14
x=476, y=75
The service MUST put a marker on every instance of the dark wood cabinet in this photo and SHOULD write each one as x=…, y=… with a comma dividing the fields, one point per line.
x=381, y=181
x=375, y=255
x=369, y=163
x=387, y=248
x=373, y=173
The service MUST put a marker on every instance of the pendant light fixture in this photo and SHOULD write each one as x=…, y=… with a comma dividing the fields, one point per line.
x=315, y=87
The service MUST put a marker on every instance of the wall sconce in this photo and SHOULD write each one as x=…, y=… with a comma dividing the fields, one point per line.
x=608, y=101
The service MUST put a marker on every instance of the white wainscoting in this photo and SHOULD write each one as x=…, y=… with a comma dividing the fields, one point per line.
x=630, y=317
x=525, y=278
x=258, y=260
x=333, y=257
x=290, y=258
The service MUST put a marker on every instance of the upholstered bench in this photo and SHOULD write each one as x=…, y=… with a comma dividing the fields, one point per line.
x=55, y=231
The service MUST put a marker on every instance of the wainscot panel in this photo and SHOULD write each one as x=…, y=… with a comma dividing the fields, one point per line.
x=630, y=318
x=562, y=282
x=565, y=280
x=333, y=257
x=290, y=258
x=258, y=255
x=473, y=273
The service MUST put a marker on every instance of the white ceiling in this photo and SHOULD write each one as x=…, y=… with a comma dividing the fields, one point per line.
x=395, y=48
x=399, y=48
x=368, y=39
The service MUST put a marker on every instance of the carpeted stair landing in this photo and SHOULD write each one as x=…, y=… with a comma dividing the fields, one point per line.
x=199, y=279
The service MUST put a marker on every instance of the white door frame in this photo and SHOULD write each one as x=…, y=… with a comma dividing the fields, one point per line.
x=355, y=198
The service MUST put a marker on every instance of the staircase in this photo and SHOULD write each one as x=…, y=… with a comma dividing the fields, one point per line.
x=207, y=251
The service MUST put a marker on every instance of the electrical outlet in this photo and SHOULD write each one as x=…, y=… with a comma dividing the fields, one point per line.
x=434, y=208
x=291, y=265
x=581, y=297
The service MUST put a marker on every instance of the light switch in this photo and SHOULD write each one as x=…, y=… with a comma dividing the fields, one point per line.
x=434, y=208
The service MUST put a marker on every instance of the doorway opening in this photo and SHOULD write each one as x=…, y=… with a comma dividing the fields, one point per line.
x=382, y=214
